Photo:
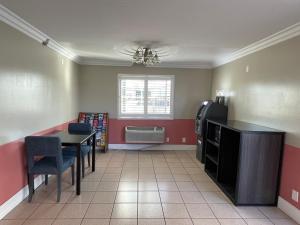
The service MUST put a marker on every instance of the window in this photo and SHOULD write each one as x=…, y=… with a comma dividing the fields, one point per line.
x=146, y=96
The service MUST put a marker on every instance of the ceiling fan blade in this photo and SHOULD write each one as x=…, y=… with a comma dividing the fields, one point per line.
x=125, y=53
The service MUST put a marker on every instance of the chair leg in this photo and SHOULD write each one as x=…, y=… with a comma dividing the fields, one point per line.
x=46, y=179
x=58, y=180
x=82, y=165
x=30, y=186
x=73, y=174
x=89, y=159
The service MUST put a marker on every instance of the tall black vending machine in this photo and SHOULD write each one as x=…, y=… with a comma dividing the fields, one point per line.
x=207, y=110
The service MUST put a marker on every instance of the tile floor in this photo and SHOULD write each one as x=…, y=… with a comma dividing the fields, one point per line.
x=141, y=187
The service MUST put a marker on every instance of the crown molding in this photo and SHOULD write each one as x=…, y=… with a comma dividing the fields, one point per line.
x=20, y=24
x=181, y=65
x=102, y=62
x=273, y=39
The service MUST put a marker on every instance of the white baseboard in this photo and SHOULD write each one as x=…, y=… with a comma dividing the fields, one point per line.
x=150, y=147
x=289, y=209
x=10, y=204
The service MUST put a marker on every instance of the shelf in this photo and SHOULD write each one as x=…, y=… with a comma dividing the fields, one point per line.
x=214, y=143
x=211, y=174
x=212, y=158
x=229, y=190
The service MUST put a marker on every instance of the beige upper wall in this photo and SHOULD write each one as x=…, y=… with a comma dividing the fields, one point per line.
x=269, y=94
x=99, y=88
x=37, y=91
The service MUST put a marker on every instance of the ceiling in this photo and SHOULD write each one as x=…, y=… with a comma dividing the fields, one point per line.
x=196, y=32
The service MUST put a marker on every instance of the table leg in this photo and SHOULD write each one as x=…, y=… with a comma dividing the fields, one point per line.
x=94, y=152
x=78, y=170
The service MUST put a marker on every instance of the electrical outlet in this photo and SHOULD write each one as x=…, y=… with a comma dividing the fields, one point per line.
x=183, y=140
x=295, y=195
x=167, y=139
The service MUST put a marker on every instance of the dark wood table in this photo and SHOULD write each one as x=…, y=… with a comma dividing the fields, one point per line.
x=77, y=140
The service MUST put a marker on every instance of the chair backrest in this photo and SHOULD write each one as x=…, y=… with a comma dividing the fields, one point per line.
x=79, y=128
x=43, y=146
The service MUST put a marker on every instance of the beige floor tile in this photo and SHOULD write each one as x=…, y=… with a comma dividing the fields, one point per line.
x=126, y=197
x=167, y=186
x=250, y=212
x=161, y=177
x=150, y=211
x=200, y=211
x=148, y=197
x=283, y=222
x=40, y=195
x=186, y=186
x=178, y=170
x=89, y=186
x=113, y=170
x=163, y=170
x=52, y=198
x=11, y=222
x=104, y=197
x=179, y=222
x=123, y=222
x=99, y=211
x=73, y=211
x=22, y=211
x=147, y=186
x=108, y=186
x=224, y=211
x=206, y=186
x=214, y=197
x=47, y=211
x=182, y=177
x=38, y=222
x=192, y=197
x=151, y=222
x=206, y=222
x=232, y=222
x=67, y=222
x=177, y=211
x=125, y=210
x=273, y=213
x=111, y=177
x=95, y=222
x=170, y=197
x=127, y=186
x=84, y=197
x=258, y=222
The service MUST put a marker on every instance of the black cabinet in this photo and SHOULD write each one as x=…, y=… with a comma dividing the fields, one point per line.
x=244, y=160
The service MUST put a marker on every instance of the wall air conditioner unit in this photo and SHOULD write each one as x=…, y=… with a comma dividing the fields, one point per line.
x=144, y=135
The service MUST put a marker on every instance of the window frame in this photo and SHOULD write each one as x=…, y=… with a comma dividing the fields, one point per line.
x=146, y=78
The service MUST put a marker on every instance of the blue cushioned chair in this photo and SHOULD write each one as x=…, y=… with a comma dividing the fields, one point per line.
x=80, y=128
x=50, y=161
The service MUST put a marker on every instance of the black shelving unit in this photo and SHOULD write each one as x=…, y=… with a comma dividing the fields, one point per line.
x=244, y=160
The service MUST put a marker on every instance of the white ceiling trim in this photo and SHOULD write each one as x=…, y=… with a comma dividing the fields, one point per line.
x=183, y=65
x=20, y=24
x=273, y=39
x=103, y=62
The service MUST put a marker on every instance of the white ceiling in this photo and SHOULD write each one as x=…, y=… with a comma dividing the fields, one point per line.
x=197, y=32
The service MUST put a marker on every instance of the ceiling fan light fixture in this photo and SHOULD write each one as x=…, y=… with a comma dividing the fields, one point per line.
x=146, y=56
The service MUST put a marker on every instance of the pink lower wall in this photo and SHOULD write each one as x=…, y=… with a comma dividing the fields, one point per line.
x=13, y=165
x=290, y=173
x=175, y=129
